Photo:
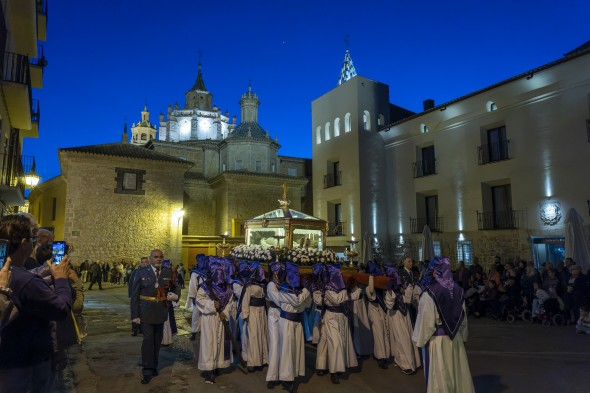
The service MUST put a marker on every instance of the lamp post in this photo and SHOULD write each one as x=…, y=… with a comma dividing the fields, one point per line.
x=223, y=246
x=352, y=253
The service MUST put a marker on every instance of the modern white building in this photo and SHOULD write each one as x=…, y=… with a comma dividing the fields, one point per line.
x=492, y=173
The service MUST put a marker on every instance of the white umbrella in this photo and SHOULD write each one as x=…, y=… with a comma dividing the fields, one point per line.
x=427, y=245
x=367, y=249
x=576, y=244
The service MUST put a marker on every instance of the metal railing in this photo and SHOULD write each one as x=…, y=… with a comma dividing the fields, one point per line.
x=499, y=219
x=16, y=68
x=336, y=228
x=42, y=7
x=12, y=173
x=424, y=168
x=493, y=152
x=35, y=112
x=588, y=129
x=40, y=60
x=332, y=180
x=434, y=223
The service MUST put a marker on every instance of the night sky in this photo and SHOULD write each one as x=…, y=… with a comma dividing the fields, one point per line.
x=108, y=58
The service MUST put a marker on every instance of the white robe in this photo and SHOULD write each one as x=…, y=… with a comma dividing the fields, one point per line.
x=255, y=328
x=192, y=295
x=211, y=348
x=167, y=338
x=407, y=355
x=274, y=355
x=291, y=338
x=445, y=361
x=339, y=353
x=362, y=335
x=321, y=358
x=379, y=326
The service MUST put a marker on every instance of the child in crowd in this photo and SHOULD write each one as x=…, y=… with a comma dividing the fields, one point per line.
x=583, y=324
x=541, y=296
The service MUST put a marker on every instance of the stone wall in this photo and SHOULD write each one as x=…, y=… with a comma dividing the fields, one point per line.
x=109, y=226
x=199, y=209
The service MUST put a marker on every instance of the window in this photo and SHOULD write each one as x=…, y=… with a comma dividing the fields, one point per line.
x=273, y=167
x=335, y=224
x=497, y=207
x=318, y=135
x=435, y=246
x=347, y=123
x=367, y=120
x=337, y=127
x=129, y=181
x=144, y=137
x=381, y=120
x=258, y=166
x=292, y=171
x=238, y=165
x=423, y=128
x=426, y=163
x=494, y=145
x=465, y=251
x=327, y=128
x=491, y=106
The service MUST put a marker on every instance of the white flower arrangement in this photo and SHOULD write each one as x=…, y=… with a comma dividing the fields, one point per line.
x=299, y=256
x=251, y=253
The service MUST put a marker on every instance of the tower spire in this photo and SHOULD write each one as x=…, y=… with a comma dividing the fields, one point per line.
x=348, y=71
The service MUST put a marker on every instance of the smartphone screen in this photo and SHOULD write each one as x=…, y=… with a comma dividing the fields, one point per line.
x=60, y=249
x=3, y=251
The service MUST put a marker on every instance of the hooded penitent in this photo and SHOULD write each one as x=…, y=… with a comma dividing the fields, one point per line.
x=257, y=274
x=277, y=269
x=447, y=295
x=374, y=269
x=319, y=276
x=293, y=277
x=217, y=285
x=335, y=281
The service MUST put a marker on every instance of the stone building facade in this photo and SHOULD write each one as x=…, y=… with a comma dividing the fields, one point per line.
x=218, y=174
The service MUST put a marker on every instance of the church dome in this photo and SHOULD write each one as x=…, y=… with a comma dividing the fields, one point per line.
x=248, y=130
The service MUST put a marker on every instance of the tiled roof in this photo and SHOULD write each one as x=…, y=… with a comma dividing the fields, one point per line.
x=248, y=129
x=125, y=150
x=348, y=71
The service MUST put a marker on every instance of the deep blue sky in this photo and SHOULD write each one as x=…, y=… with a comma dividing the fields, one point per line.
x=107, y=58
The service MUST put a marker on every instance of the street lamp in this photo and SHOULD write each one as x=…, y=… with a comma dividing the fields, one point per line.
x=32, y=178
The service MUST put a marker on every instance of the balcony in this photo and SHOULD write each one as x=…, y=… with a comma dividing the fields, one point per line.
x=332, y=180
x=588, y=129
x=493, y=152
x=12, y=178
x=35, y=119
x=434, y=223
x=16, y=83
x=42, y=20
x=23, y=25
x=424, y=168
x=499, y=220
x=336, y=228
x=38, y=64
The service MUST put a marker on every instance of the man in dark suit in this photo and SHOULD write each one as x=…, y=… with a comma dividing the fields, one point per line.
x=408, y=281
x=152, y=292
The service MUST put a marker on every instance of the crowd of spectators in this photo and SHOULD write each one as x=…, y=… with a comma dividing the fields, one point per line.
x=513, y=287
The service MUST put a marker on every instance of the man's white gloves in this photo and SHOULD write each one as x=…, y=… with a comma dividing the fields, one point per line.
x=171, y=297
x=136, y=320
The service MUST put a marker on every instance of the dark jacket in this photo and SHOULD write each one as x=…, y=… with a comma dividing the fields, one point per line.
x=27, y=341
x=144, y=284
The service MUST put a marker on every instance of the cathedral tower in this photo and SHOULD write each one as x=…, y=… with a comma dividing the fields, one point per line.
x=143, y=131
x=198, y=97
x=249, y=103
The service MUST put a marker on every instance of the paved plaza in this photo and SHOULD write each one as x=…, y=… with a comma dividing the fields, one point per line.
x=503, y=358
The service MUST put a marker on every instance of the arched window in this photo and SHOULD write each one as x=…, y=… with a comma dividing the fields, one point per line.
x=423, y=128
x=381, y=120
x=367, y=120
x=337, y=127
x=347, y=123
x=327, y=136
x=491, y=106
x=318, y=135
x=143, y=137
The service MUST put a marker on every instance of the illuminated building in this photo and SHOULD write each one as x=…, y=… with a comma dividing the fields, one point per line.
x=491, y=173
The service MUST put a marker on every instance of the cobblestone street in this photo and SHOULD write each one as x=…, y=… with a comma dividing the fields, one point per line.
x=503, y=358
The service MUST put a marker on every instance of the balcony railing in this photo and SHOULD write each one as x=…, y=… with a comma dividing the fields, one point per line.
x=424, y=168
x=434, y=223
x=493, y=152
x=12, y=173
x=35, y=112
x=332, y=180
x=499, y=220
x=42, y=7
x=16, y=68
x=40, y=60
x=336, y=228
x=588, y=129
